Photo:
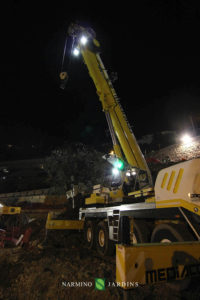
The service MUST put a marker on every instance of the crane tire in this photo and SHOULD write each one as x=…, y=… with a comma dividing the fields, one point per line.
x=141, y=233
x=89, y=234
x=104, y=245
x=168, y=233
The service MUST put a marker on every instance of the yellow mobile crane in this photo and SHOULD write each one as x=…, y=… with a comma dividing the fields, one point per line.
x=137, y=212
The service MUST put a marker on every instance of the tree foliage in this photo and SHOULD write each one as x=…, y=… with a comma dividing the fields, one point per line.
x=75, y=164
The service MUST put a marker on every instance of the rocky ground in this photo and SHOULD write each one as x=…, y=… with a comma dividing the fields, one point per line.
x=47, y=270
x=178, y=152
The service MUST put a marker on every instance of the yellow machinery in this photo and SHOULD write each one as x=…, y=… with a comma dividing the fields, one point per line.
x=9, y=210
x=53, y=223
x=13, y=231
x=124, y=142
x=142, y=212
x=156, y=263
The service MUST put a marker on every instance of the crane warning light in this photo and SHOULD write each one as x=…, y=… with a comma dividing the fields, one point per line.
x=119, y=164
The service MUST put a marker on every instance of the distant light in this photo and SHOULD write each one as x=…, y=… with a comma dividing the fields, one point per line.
x=115, y=171
x=83, y=40
x=128, y=173
x=1, y=205
x=133, y=171
x=76, y=52
x=186, y=138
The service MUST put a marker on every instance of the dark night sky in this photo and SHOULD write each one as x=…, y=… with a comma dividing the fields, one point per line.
x=154, y=48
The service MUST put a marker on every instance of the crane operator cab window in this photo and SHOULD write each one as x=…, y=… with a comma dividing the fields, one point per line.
x=135, y=181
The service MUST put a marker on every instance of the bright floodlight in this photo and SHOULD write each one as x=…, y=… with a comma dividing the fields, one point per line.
x=186, y=138
x=115, y=171
x=76, y=52
x=83, y=40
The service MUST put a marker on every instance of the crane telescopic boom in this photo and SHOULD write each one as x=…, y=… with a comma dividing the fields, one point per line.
x=120, y=129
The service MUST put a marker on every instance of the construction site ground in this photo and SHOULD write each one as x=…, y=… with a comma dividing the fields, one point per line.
x=48, y=270
x=53, y=268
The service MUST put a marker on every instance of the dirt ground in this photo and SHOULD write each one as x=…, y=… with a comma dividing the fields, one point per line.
x=49, y=270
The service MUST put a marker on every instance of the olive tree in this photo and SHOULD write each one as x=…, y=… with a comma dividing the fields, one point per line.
x=75, y=164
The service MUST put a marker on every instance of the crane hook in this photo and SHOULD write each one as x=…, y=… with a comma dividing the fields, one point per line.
x=64, y=78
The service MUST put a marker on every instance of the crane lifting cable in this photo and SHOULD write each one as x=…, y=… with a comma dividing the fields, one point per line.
x=63, y=74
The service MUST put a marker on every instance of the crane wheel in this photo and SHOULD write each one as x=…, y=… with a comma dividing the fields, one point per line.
x=103, y=244
x=140, y=232
x=89, y=234
x=168, y=233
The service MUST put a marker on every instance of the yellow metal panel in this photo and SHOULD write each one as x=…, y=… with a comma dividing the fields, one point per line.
x=164, y=180
x=148, y=190
x=193, y=207
x=143, y=192
x=153, y=263
x=117, y=151
x=178, y=180
x=150, y=200
x=64, y=224
x=9, y=210
x=171, y=180
x=168, y=203
x=117, y=194
x=133, y=193
x=96, y=43
x=95, y=200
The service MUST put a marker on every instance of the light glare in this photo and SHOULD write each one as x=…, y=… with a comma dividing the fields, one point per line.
x=186, y=138
x=119, y=164
x=115, y=171
x=83, y=40
x=76, y=52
